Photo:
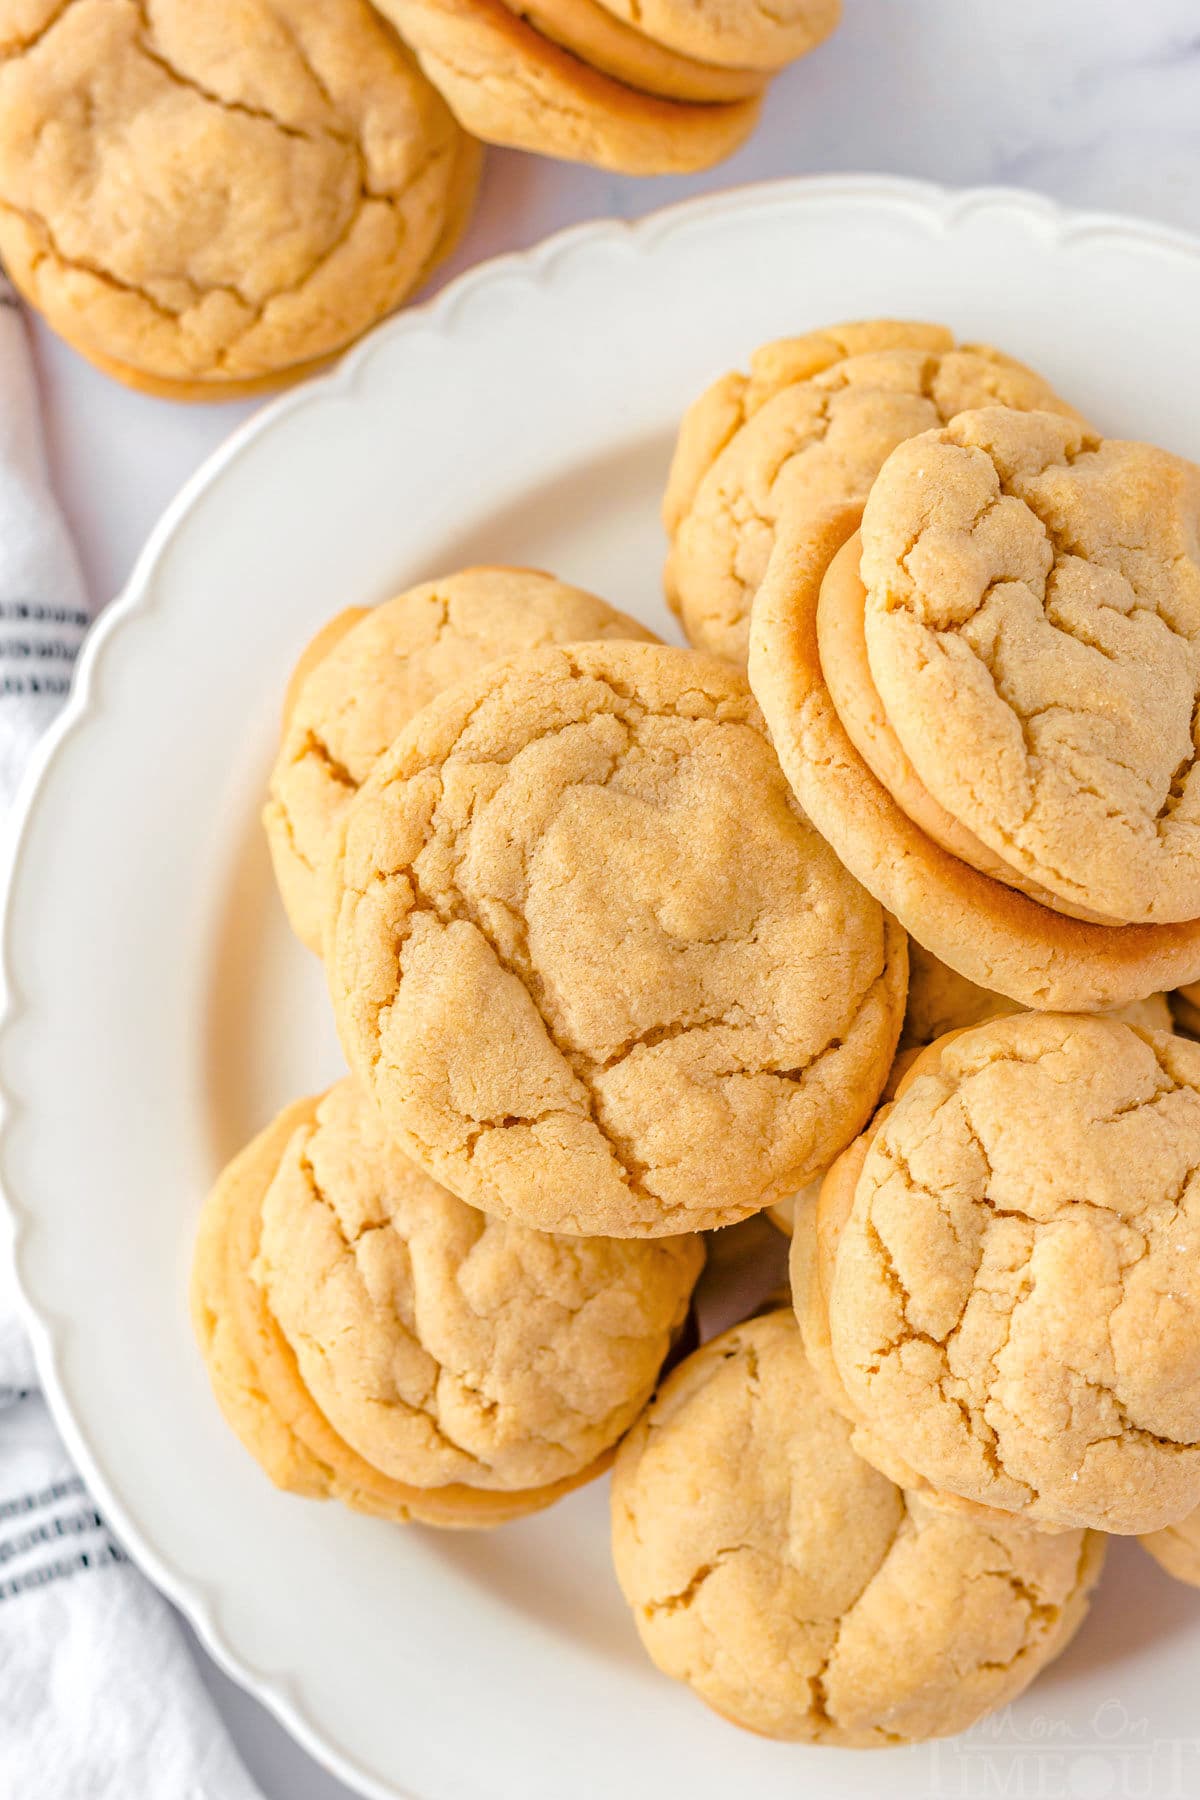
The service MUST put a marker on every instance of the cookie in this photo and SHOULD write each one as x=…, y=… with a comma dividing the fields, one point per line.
x=1032, y=625
x=204, y=201
x=845, y=665
x=372, y=1338
x=940, y=1001
x=799, y=1592
x=367, y=673
x=983, y=929
x=734, y=32
x=1013, y=1301
x=1176, y=1548
x=509, y=84
x=590, y=32
x=597, y=969
x=811, y=1263
x=810, y=426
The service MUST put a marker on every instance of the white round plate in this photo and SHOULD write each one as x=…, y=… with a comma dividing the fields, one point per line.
x=159, y=1011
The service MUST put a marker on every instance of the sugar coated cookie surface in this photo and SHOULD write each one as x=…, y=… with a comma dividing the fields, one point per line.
x=810, y=426
x=1032, y=625
x=800, y=1592
x=1014, y=1303
x=594, y=964
x=202, y=198
x=357, y=687
x=444, y=1350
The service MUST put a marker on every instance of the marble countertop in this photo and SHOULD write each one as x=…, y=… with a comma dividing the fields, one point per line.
x=1094, y=102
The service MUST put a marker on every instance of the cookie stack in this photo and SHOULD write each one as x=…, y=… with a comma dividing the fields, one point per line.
x=513, y=824
x=985, y=698
x=971, y=622
x=204, y=200
x=618, y=959
x=208, y=200
x=643, y=89
x=372, y=1339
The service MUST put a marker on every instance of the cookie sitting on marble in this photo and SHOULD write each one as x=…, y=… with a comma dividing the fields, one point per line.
x=206, y=200
x=510, y=83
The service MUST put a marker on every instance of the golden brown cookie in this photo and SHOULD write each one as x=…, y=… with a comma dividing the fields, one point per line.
x=811, y=1262
x=597, y=36
x=802, y=1594
x=846, y=668
x=998, y=938
x=1176, y=1548
x=810, y=426
x=1013, y=1303
x=594, y=964
x=940, y=1001
x=509, y=84
x=206, y=200
x=734, y=32
x=373, y=1338
x=368, y=672
x=1032, y=624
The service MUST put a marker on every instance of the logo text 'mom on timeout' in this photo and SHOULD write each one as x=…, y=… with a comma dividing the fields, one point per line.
x=1112, y=1756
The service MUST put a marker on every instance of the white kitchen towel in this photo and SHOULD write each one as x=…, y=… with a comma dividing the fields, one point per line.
x=99, y=1698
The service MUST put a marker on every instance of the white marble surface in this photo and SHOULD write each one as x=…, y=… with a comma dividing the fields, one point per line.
x=1096, y=102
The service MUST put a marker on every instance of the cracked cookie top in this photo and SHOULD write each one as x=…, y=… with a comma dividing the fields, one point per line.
x=359, y=683
x=1032, y=624
x=444, y=1346
x=206, y=196
x=1013, y=1307
x=808, y=428
x=800, y=1592
x=593, y=962
x=998, y=937
x=258, y=1385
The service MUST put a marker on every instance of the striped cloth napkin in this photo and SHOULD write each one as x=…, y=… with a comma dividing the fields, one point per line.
x=99, y=1697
